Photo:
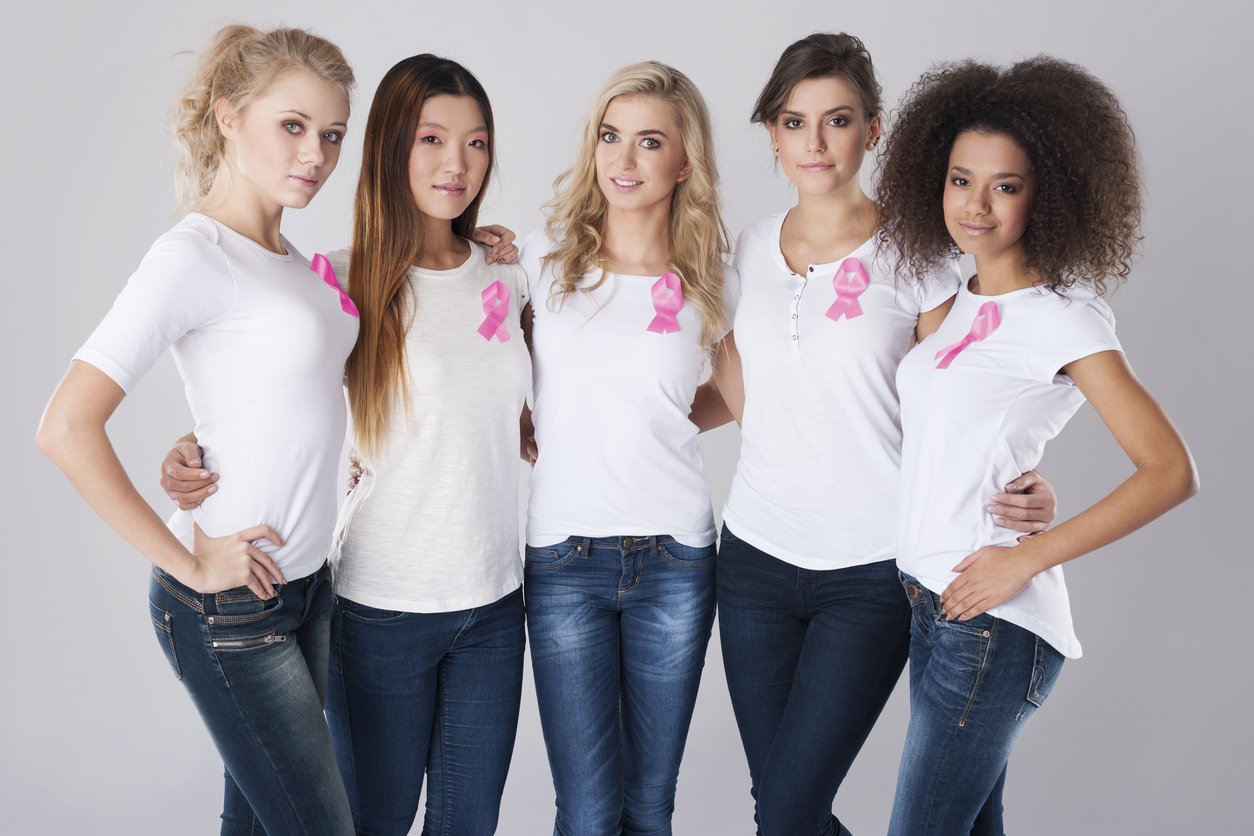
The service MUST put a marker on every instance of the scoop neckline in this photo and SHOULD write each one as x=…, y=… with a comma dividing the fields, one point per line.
x=283, y=256
x=783, y=262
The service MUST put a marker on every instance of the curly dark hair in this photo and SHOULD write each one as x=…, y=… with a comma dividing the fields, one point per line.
x=1085, y=221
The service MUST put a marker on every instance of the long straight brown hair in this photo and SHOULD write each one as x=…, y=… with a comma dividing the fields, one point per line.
x=388, y=233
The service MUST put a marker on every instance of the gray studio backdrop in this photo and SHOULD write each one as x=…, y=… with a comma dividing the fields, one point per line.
x=1147, y=734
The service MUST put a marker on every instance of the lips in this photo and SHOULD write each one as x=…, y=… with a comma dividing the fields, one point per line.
x=626, y=184
x=451, y=189
x=975, y=229
x=307, y=182
x=816, y=166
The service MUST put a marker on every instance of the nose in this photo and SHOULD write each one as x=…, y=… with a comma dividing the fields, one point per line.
x=977, y=202
x=455, y=159
x=814, y=140
x=626, y=156
x=311, y=152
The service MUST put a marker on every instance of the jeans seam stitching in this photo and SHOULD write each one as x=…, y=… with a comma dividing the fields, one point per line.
x=980, y=674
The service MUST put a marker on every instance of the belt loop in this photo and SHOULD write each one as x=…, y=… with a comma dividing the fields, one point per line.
x=653, y=543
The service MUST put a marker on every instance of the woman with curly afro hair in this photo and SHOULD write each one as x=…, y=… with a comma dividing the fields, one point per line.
x=1032, y=171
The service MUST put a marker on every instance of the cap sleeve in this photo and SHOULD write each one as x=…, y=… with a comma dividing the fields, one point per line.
x=1083, y=326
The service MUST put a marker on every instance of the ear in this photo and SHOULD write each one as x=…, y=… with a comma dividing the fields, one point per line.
x=875, y=130
x=773, y=130
x=684, y=173
x=227, y=117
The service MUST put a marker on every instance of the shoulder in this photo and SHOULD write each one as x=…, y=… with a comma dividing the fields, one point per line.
x=1077, y=303
x=759, y=236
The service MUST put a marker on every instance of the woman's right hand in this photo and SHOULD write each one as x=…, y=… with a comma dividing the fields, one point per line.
x=233, y=560
x=182, y=477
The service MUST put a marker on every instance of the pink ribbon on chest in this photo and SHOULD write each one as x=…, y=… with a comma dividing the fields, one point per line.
x=985, y=323
x=323, y=269
x=668, y=299
x=850, y=282
x=496, y=305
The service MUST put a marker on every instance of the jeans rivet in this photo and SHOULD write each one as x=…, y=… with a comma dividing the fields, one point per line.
x=167, y=616
x=215, y=644
x=211, y=621
x=986, y=634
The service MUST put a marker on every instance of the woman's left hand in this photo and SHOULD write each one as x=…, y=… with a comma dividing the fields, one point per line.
x=986, y=578
x=500, y=240
x=1027, y=505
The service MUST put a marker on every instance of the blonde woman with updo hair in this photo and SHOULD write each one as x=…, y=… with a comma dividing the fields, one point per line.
x=240, y=597
x=626, y=292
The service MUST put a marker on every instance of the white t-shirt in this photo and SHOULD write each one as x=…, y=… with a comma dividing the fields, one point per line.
x=260, y=341
x=433, y=524
x=974, y=426
x=617, y=453
x=820, y=448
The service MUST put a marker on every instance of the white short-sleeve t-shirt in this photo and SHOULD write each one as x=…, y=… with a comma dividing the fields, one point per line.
x=260, y=341
x=820, y=449
x=618, y=454
x=432, y=525
x=980, y=422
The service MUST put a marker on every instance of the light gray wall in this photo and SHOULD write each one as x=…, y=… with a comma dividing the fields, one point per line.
x=1147, y=734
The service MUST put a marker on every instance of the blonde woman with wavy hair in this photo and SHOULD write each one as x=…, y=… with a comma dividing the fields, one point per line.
x=240, y=597
x=627, y=305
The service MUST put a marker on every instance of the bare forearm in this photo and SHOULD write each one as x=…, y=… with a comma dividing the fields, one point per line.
x=1146, y=495
x=708, y=408
x=87, y=458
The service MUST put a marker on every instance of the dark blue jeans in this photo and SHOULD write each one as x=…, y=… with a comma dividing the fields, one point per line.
x=811, y=657
x=973, y=686
x=256, y=671
x=426, y=692
x=618, y=629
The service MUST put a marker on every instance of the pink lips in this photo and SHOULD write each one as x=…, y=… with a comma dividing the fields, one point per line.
x=816, y=167
x=450, y=189
x=307, y=182
x=972, y=229
x=626, y=184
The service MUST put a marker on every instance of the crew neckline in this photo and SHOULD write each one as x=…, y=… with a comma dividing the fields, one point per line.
x=283, y=256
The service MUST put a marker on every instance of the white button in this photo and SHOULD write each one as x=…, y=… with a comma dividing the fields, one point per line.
x=794, y=336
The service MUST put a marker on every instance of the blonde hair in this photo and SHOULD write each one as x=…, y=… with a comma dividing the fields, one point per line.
x=241, y=63
x=698, y=237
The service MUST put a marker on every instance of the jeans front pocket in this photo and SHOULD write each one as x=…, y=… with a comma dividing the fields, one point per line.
x=689, y=556
x=1045, y=670
x=555, y=556
x=367, y=613
x=923, y=612
x=240, y=606
x=163, y=625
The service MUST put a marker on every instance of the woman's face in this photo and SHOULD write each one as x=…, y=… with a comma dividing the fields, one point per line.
x=450, y=156
x=640, y=154
x=988, y=193
x=822, y=134
x=286, y=142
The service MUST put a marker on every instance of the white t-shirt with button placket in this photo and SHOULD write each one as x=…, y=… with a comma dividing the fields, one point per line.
x=979, y=423
x=260, y=341
x=618, y=454
x=817, y=480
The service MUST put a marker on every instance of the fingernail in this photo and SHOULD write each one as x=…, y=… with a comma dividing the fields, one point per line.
x=212, y=489
x=204, y=474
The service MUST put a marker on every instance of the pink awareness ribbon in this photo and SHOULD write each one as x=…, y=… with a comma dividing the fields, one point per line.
x=496, y=305
x=849, y=282
x=322, y=267
x=668, y=299
x=985, y=323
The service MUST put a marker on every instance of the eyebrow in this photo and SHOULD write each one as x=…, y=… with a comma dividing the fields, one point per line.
x=310, y=118
x=1001, y=175
x=437, y=125
x=606, y=126
x=827, y=112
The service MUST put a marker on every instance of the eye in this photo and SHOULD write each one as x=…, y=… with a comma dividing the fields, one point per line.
x=479, y=143
x=333, y=137
x=650, y=143
x=792, y=124
x=609, y=136
x=430, y=139
x=293, y=127
x=1006, y=188
x=838, y=121
x=959, y=181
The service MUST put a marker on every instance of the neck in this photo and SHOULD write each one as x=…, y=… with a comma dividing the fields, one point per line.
x=1003, y=272
x=233, y=202
x=441, y=248
x=834, y=215
x=638, y=243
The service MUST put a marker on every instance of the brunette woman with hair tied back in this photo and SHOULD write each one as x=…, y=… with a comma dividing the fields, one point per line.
x=813, y=624
x=1031, y=170
x=627, y=300
x=240, y=596
x=427, y=634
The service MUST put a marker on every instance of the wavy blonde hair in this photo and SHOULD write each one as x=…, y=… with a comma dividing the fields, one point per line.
x=241, y=63
x=698, y=237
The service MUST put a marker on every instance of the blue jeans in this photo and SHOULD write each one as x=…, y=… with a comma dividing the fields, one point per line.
x=426, y=692
x=811, y=657
x=973, y=686
x=256, y=671
x=618, y=629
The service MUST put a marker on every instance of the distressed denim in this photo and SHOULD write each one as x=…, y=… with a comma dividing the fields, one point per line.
x=973, y=686
x=618, y=629
x=256, y=671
